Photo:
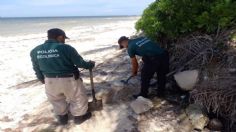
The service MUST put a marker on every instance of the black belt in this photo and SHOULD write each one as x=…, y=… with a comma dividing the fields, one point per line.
x=60, y=76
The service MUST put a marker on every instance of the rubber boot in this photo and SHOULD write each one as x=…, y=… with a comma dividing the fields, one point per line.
x=63, y=119
x=80, y=119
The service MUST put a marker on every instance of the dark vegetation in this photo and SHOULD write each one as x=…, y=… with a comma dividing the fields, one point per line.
x=199, y=34
x=175, y=18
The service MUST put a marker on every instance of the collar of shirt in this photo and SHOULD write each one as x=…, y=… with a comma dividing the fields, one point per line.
x=51, y=41
x=129, y=42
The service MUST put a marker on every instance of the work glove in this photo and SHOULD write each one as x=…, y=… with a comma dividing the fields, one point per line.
x=92, y=63
x=42, y=81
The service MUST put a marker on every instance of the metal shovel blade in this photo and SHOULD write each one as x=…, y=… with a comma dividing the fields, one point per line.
x=95, y=105
x=126, y=81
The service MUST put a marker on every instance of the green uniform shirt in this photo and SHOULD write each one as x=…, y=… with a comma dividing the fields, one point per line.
x=143, y=47
x=54, y=58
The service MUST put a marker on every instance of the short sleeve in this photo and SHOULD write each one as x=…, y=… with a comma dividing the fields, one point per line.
x=131, y=51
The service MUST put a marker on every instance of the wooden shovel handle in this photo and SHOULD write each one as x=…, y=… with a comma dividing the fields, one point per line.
x=92, y=84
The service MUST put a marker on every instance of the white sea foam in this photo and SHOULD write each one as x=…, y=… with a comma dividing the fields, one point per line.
x=15, y=63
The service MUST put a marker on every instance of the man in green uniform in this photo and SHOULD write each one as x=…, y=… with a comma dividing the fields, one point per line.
x=56, y=64
x=156, y=60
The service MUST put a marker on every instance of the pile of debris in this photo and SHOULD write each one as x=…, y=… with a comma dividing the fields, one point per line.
x=210, y=62
x=218, y=95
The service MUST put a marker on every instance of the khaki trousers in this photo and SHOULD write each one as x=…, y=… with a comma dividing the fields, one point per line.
x=67, y=94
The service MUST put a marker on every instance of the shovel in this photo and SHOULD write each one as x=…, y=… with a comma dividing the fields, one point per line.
x=95, y=105
x=126, y=81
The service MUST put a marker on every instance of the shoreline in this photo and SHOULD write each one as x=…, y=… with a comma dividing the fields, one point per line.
x=15, y=61
x=115, y=16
